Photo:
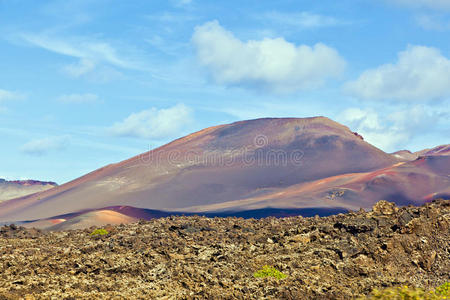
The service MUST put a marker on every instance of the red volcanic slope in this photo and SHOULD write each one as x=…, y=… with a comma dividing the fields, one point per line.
x=439, y=150
x=215, y=165
x=405, y=155
x=414, y=182
x=94, y=218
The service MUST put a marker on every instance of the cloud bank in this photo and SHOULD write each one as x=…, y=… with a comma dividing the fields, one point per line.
x=154, y=123
x=272, y=64
x=421, y=73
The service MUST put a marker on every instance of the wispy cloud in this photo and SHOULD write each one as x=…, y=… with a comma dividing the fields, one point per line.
x=155, y=123
x=80, y=48
x=93, y=56
x=78, y=98
x=164, y=32
x=421, y=73
x=83, y=66
x=302, y=19
x=433, y=22
x=6, y=95
x=171, y=17
x=181, y=3
x=271, y=64
x=167, y=46
x=432, y=4
x=39, y=147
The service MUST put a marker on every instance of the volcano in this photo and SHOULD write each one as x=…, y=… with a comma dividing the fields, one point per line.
x=283, y=163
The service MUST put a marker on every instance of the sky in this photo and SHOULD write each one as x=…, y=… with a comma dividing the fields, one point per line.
x=87, y=83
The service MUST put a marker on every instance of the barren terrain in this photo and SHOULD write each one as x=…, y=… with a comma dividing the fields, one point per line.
x=335, y=257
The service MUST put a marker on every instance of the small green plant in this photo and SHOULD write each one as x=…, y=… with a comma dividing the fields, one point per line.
x=400, y=293
x=411, y=293
x=443, y=290
x=268, y=271
x=100, y=231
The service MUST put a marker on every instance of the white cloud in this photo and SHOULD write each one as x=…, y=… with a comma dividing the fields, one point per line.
x=390, y=131
x=421, y=73
x=433, y=4
x=78, y=98
x=302, y=19
x=9, y=95
x=273, y=64
x=367, y=124
x=367, y=120
x=155, y=123
x=42, y=146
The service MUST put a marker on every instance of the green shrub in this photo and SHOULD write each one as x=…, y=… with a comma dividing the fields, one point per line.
x=444, y=290
x=268, y=271
x=411, y=293
x=400, y=293
x=100, y=231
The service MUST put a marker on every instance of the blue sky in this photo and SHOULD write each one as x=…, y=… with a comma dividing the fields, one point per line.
x=88, y=83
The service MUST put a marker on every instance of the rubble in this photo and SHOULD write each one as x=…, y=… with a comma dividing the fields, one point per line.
x=337, y=257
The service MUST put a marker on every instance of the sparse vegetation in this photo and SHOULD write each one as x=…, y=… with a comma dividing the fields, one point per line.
x=411, y=293
x=100, y=231
x=444, y=290
x=268, y=271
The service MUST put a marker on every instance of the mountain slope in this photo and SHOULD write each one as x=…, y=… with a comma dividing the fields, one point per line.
x=212, y=166
x=441, y=150
x=404, y=183
x=406, y=155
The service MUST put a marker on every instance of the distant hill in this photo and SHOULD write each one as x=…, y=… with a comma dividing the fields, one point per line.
x=19, y=188
x=406, y=155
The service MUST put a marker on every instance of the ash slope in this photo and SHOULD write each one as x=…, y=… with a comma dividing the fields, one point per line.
x=218, y=164
x=337, y=257
x=404, y=183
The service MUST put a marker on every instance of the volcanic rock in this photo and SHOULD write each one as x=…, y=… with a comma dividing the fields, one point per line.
x=337, y=257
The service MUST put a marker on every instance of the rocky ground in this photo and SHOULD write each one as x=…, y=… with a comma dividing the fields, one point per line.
x=337, y=257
